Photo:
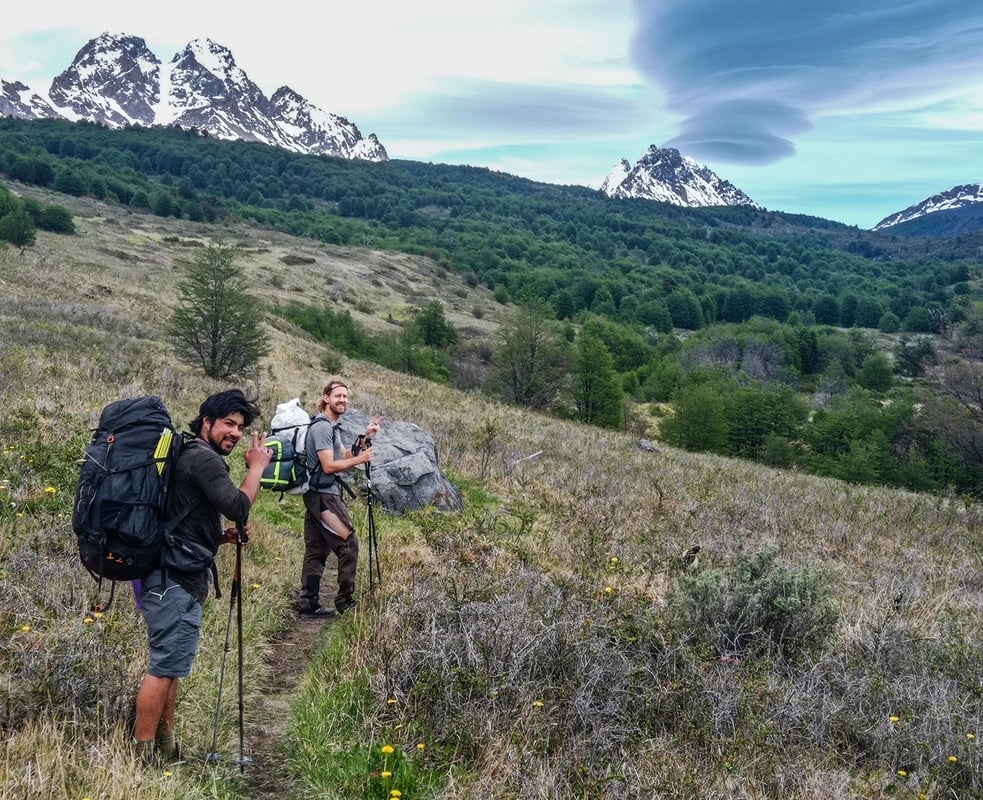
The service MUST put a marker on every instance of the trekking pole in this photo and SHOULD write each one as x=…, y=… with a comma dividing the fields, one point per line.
x=237, y=592
x=375, y=570
x=235, y=603
x=214, y=755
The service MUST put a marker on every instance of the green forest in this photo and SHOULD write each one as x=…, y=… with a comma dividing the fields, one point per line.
x=790, y=340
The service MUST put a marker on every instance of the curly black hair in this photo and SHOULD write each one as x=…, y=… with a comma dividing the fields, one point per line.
x=221, y=404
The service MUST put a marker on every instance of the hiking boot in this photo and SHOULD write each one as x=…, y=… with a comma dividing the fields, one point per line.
x=169, y=750
x=177, y=758
x=321, y=612
x=346, y=605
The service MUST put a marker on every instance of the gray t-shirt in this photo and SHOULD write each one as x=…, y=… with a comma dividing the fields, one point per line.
x=322, y=435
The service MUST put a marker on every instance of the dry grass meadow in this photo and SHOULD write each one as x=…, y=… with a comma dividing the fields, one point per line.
x=548, y=641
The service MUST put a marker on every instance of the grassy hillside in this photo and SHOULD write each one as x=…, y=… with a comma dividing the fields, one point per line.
x=551, y=640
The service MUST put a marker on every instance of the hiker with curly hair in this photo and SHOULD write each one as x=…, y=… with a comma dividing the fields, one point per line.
x=171, y=597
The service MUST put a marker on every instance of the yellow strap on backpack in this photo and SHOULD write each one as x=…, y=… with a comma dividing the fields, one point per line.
x=163, y=449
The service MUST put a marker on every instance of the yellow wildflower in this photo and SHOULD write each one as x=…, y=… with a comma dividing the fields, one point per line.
x=537, y=703
x=970, y=736
x=893, y=719
x=395, y=793
x=386, y=773
x=387, y=749
x=903, y=773
x=953, y=759
x=87, y=620
x=25, y=628
x=420, y=746
x=608, y=590
x=50, y=490
x=391, y=701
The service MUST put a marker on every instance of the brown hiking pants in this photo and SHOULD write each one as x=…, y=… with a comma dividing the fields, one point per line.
x=326, y=514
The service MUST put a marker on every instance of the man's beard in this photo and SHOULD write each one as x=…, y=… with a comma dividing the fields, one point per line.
x=223, y=445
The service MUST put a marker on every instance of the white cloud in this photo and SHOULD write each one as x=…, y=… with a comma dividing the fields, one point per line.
x=350, y=57
x=547, y=90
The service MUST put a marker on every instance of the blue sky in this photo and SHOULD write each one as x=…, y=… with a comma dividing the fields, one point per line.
x=847, y=109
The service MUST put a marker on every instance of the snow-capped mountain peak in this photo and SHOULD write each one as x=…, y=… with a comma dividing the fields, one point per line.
x=665, y=175
x=968, y=194
x=309, y=125
x=116, y=80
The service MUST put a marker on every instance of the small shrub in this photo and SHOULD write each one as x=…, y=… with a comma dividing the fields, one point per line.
x=757, y=608
x=332, y=361
x=292, y=260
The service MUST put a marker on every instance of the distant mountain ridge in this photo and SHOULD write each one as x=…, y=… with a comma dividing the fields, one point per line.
x=665, y=175
x=115, y=80
x=950, y=213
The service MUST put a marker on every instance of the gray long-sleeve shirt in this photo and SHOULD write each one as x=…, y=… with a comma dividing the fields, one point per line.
x=201, y=484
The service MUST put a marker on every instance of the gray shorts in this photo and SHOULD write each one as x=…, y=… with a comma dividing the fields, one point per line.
x=173, y=620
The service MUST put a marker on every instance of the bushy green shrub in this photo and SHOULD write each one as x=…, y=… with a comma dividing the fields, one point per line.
x=756, y=608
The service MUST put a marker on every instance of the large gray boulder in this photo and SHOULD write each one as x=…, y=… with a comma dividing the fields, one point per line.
x=405, y=471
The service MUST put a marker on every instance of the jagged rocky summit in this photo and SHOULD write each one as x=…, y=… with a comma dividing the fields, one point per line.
x=665, y=175
x=116, y=80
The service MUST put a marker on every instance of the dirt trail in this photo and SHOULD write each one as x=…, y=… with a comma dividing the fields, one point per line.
x=289, y=658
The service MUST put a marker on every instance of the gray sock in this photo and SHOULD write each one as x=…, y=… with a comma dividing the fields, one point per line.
x=146, y=750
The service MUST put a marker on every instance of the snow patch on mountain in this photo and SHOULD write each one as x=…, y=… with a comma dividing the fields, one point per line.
x=18, y=100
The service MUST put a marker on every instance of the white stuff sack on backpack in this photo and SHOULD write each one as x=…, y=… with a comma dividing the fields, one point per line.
x=290, y=424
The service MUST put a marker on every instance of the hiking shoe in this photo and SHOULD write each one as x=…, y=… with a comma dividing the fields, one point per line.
x=321, y=612
x=346, y=606
x=175, y=758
